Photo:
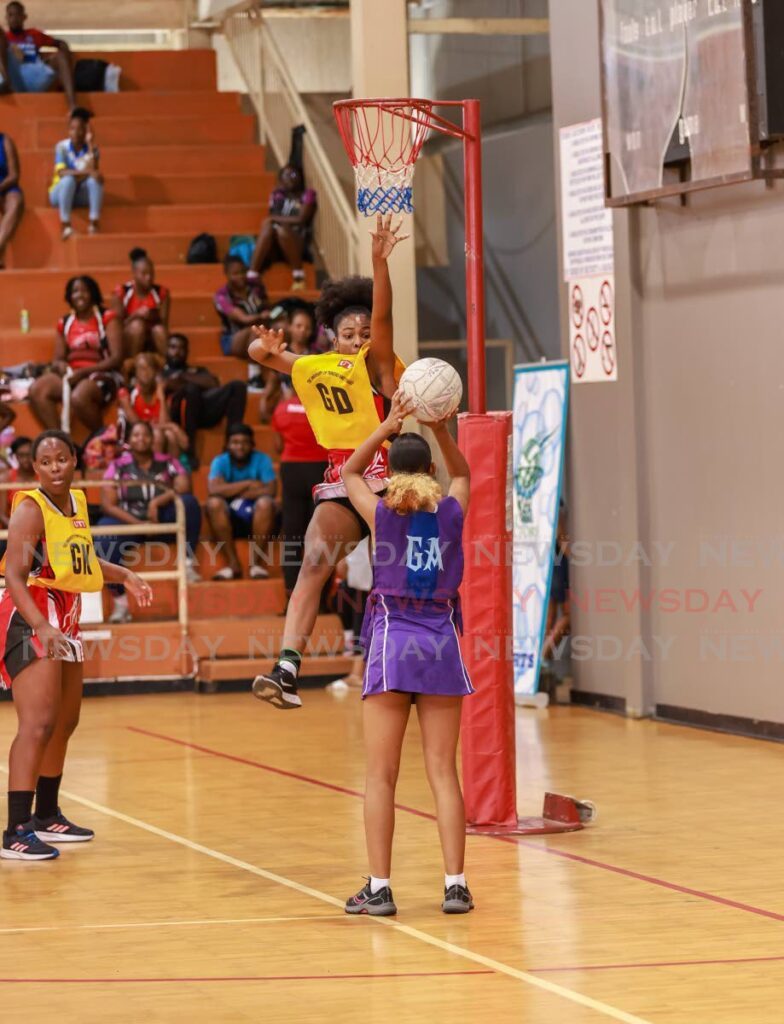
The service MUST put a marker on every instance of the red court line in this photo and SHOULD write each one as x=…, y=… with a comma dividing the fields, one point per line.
x=271, y=768
x=517, y=840
x=658, y=963
x=261, y=977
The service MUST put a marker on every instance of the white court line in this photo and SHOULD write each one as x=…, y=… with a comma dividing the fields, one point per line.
x=162, y=924
x=388, y=922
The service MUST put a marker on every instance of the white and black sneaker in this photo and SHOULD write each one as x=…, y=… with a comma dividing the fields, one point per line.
x=278, y=688
x=377, y=904
x=58, y=829
x=457, y=900
x=24, y=844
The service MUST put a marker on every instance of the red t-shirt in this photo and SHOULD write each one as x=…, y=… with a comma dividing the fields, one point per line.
x=85, y=340
x=149, y=411
x=29, y=41
x=132, y=302
x=299, y=442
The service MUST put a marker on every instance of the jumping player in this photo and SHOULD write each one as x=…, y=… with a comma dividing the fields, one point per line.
x=343, y=393
x=50, y=562
x=412, y=651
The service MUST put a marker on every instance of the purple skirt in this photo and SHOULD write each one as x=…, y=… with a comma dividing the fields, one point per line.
x=412, y=646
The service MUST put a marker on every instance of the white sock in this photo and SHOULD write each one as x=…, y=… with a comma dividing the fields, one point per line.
x=120, y=601
x=376, y=884
x=454, y=880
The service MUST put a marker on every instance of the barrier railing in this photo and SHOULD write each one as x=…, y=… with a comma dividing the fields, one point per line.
x=139, y=529
x=279, y=108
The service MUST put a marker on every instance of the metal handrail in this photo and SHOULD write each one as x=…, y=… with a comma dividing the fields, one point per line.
x=279, y=107
x=177, y=527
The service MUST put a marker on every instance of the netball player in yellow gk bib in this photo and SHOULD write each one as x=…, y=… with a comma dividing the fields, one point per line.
x=49, y=564
x=343, y=392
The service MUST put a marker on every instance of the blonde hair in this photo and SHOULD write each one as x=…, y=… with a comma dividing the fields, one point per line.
x=412, y=492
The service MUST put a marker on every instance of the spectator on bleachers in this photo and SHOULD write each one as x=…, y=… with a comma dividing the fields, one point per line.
x=77, y=180
x=22, y=473
x=197, y=399
x=303, y=463
x=135, y=499
x=241, y=306
x=146, y=400
x=143, y=307
x=23, y=69
x=297, y=319
x=89, y=349
x=242, y=487
x=11, y=197
x=287, y=230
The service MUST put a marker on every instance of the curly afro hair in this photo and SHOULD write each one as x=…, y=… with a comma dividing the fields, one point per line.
x=338, y=297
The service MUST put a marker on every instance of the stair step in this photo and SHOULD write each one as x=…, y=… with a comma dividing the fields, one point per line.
x=231, y=638
x=188, y=311
x=246, y=668
x=242, y=599
x=151, y=187
x=37, y=345
x=152, y=103
x=36, y=164
x=162, y=70
x=45, y=133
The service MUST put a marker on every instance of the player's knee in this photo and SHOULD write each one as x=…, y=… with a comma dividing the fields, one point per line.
x=383, y=773
x=38, y=731
x=215, y=505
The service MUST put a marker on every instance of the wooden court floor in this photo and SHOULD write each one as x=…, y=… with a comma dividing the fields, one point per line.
x=228, y=836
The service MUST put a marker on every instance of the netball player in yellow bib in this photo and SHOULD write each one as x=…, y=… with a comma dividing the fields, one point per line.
x=344, y=394
x=49, y=564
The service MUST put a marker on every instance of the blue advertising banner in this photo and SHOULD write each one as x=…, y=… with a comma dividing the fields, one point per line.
x=541, y=395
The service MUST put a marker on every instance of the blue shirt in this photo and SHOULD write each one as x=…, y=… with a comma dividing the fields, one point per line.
x=258, y=467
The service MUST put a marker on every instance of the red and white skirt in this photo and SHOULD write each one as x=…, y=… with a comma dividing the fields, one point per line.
x=19, y=646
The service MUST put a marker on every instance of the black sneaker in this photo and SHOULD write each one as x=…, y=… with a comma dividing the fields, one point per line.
x=279, y=688
x=24, y=844
x=377, y=904
x=457, y=900
x=59, y=829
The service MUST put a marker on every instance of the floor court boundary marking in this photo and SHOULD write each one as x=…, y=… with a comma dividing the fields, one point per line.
x=415, y=933
x=515, y=840
x=119, y=926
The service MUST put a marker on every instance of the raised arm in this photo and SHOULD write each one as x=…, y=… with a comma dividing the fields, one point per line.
x=360, y=495
x=381, y=358
x=455, y=462
x=268, y=348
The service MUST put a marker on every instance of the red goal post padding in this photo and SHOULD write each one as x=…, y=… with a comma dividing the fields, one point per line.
x=488, y=724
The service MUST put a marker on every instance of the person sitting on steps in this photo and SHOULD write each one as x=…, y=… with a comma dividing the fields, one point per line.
x=242, y=487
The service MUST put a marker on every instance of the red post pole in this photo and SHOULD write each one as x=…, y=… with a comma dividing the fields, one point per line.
x=475, y=289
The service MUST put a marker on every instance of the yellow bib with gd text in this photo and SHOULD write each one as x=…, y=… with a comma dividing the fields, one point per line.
x=335, y=389
x=69, y=562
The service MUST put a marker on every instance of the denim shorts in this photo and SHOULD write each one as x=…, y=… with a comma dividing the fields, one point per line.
x=35, y=76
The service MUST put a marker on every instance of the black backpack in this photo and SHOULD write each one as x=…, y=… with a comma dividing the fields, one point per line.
x=89, y=75
x=202, y=249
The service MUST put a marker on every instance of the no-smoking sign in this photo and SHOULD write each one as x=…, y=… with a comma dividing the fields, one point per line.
x=592, y=349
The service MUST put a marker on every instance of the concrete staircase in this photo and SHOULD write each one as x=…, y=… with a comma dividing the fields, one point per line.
x=179, y=158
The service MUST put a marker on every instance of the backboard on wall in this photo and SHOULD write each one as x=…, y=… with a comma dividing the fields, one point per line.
x=683, y=86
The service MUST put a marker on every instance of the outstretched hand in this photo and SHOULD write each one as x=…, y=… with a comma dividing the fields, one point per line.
x=402, y=405
x=266, y=343
x=139, y=589
x=385, y=237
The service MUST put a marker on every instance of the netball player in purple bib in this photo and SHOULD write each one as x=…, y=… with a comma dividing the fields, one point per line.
x=412, y=649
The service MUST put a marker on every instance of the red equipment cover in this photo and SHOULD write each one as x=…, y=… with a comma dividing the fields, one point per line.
x=488, y=722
